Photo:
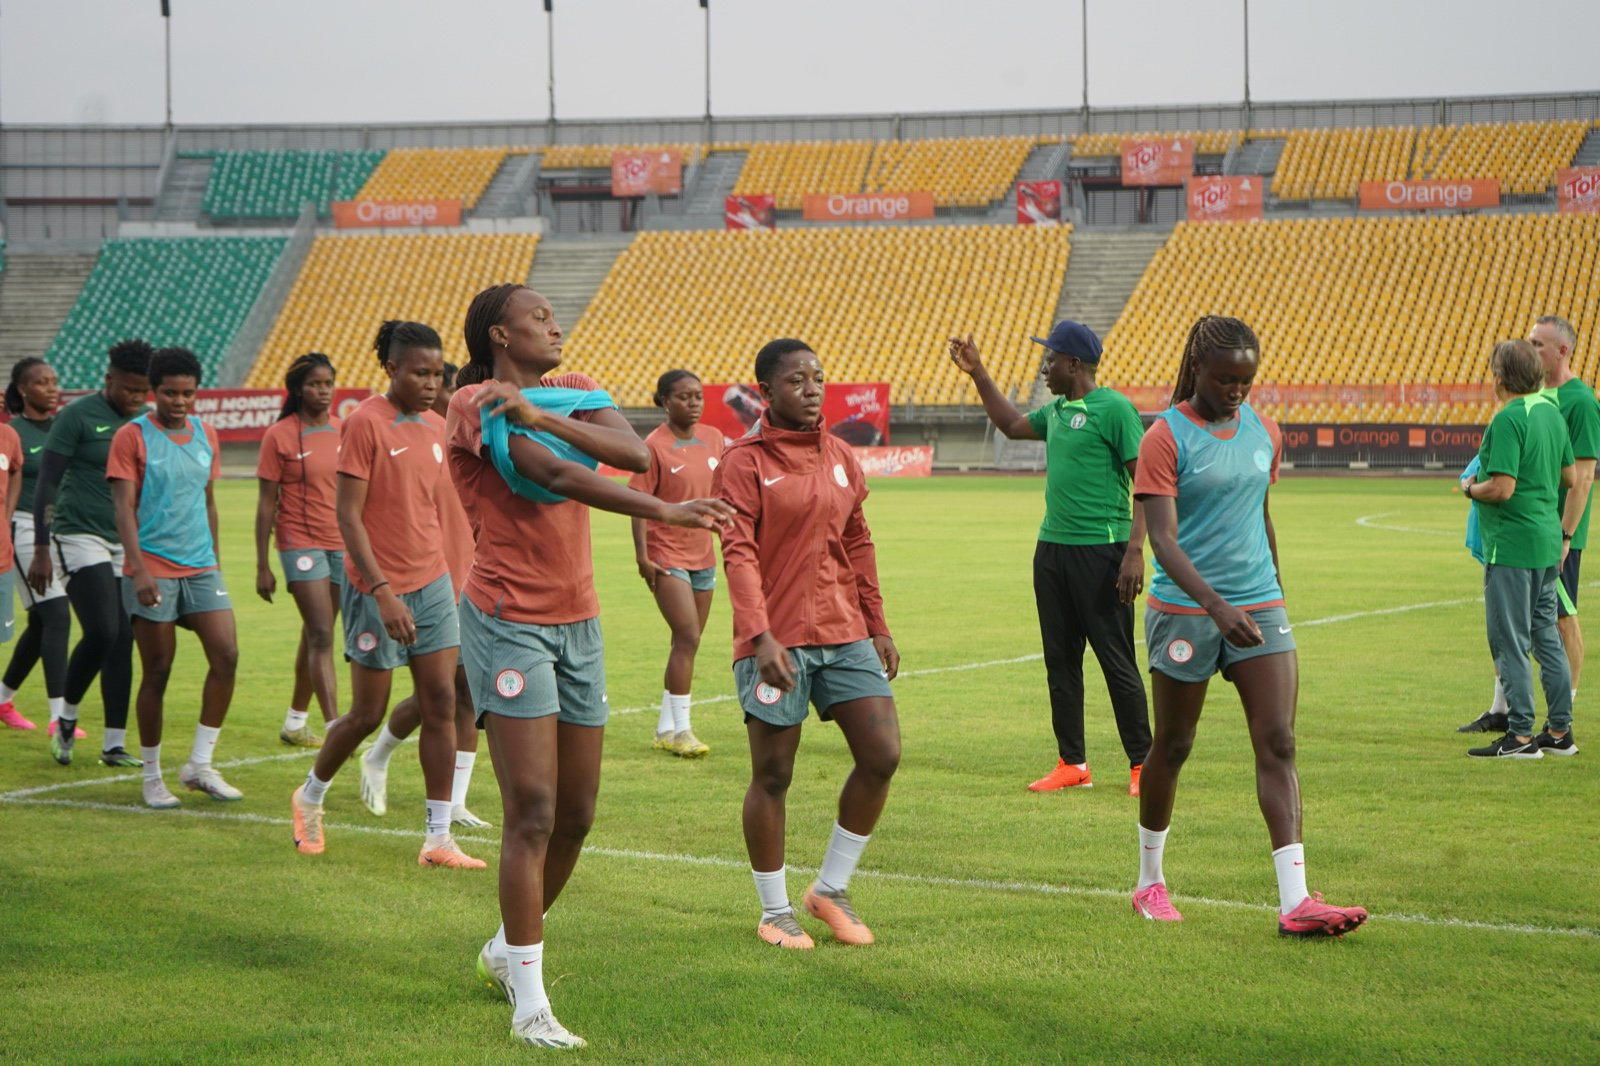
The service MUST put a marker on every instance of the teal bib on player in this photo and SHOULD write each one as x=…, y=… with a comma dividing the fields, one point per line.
x=1474, y=534
x=172, y=500
x=497, y=437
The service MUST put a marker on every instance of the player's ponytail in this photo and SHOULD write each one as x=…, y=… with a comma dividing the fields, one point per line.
x=395, y=336
x=1209, y=334
x=19, y=371
x=483, y=313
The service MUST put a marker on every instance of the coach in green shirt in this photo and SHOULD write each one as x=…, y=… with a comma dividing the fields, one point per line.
x=1089, y=564
x=1525, y=461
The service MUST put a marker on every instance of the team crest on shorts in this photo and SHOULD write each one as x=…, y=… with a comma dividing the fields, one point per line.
x=839, y=476
x=1180, y=651
x=367, y=641
x=509, y=683
x=304, y=563
x=1078, y=420
x=767, y=695
x=438, y=453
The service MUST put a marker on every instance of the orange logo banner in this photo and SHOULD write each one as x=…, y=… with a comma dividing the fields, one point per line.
x=642, y=173
x=1226, y=199
x=356, y=214
x=1578, y=190
x=750, y=212
x=1038, y=203
x=1160, y=162
x=1429, y=195
x=867, y=206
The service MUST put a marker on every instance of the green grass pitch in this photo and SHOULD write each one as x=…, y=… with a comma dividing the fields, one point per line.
x=1005, y=933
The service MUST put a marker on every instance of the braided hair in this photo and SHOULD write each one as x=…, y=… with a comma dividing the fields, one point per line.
x=1209, y=335
x=484, y=312
x=396, y=336
x=666, y=381
x=19, y=371
x=131, y=356
x=295, y=379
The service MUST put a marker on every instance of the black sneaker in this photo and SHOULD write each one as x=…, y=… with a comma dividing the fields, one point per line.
x=119, y=757
x=1487, y=722
x=1508, y=747
x=1556, y=745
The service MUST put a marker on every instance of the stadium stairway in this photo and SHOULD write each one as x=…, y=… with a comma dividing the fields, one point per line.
x=510, y=192
x=180, y=199
x=712, y=184
x=568, y=273
x=1588, y=154
x=36, y=292
x=1255, y=157
x=1105, y=267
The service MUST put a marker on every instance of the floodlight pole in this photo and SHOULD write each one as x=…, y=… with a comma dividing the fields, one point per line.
x=1084, y=12
x=1246, y=64
x=166, y=22
x=705, y=5
x=550, y=66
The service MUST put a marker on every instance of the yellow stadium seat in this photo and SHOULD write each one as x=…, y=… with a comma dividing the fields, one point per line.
x=433, y=174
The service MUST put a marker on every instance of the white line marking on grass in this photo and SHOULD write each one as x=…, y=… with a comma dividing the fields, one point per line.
x=969, y=884
x=1370, y=521
x=85, y=782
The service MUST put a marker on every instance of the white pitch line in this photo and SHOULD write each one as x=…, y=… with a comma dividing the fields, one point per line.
x=968, y=884
x=1368, y=521
x=86, y=782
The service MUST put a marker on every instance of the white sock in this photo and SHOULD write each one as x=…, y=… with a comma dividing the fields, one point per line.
x=1499, y=704
x=438, y=818
x=680, y=712
x=1152, y=845
x=205, y=743
x=497, y=946
x=115, y=738
x=56, y=703
x=69, y=712
x=664, y=719
x=527, y=979
x=382, y=748
x=152, y=762
x=463, y=779
x=774, y=892
x=6, y=692
x=839, y=862
x=294, y=720
x=1290, y=862
x=315, y=788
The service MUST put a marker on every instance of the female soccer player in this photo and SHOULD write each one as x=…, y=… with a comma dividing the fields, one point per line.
x=529, y=617
x=679, y=565
x=808, y=626
x=297, y=471
x=81, y=528
x=161, y=468
x=1216, y=603
x=397, y=603
x=458, y=542
x=31, y=399
x=10, y=492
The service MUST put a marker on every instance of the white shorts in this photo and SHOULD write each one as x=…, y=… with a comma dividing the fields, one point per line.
x=79, y=551
x=22, y=541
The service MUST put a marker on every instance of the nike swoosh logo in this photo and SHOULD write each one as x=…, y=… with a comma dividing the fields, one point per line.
x=1203, y=469
x=1147, y=847
x=1284, y=629
x=527, y=962
x=396, y=451
x=222, y=592
x=101, y=429
x=1299, y=863
x=773, y=480
x=36, y=449
x=677, y=468
x=304, y=455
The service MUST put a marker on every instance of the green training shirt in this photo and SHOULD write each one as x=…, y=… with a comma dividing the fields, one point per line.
x=1527, y=440
x=33, y=436
x=1582, y=414
x=1087, y=489
x=83, y=432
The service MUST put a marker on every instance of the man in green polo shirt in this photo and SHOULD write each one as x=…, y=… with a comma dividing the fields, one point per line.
x=1089, y=563
x=1526, y=459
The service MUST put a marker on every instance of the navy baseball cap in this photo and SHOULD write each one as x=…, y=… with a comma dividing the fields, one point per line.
x=1074, y=339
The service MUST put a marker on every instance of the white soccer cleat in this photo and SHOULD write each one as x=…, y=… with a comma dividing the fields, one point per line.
x=206, y=779
x=459, y=815
x=495, y=972
x=375, y=786
x=542, y=1030
x=157, y=795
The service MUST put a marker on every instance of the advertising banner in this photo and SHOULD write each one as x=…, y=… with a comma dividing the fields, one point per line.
x=1149, y=398
x=1429, y=195
x=1038, y=203
x=1226, y=199
x=1160, y=162
x=243, y=414
x=642, y=173
x=867, y=206
x=1383, y=444
x=1578, y=191
x=357, y=214
x=858, y=413
x=897, y=462
x=750, y=212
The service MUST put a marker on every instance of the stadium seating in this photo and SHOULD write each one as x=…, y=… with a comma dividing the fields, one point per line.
x=191, y=292
x=1366, y=301
x=276, y=184
x=598, y=156
x=877, y=303
x=433, y=174
x=1523, y=155
x=350, y=283
x=790, y=169
x=959, y=171
x=1331, y=164
x=1207, y=142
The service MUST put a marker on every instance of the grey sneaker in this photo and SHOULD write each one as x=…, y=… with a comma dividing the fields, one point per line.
x=375, y=787
x=542, y=1030
x=206, y=779
x=459, y=815
x=157, y=795
x=495, y=972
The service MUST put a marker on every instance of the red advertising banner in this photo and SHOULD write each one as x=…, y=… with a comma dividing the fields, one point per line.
x=1226, y=199
x=1038, y=203
x=1578, y=191
x=642, y=173
x=916, y=461
x=1160, y=162
x=1303, y=442
x=1158, y=397
x=1429, y=195
x=858, y=413
x=750, y=212
x=356, y=214
x=867, y=206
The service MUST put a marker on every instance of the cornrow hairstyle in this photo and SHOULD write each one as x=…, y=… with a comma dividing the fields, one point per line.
x=1209, y=335
x=295, y=379
x=131, y=356
x=772, y=354
x=450, y=372
x=395, y=336
x=173, y=363
x=665, y=383
x=485, y=311
x=19, y=371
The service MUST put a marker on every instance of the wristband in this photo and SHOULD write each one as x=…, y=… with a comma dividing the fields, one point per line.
x=1467, y=492
x=1566, y=536
x=376, y=587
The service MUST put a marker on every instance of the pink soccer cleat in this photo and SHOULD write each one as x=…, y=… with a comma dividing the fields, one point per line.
x=1313, y=917
x=12, y=718
x=1152, y=902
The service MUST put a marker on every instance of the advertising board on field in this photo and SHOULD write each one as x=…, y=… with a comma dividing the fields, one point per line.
x=1038, y=203
x=643, y=173
x=750, y=211
x=916, y=461
x=1157, y=162
x=1382, y=443
x=867, y=206
x=1238, y=198
x=359, y=214
x=1432, y=195
x=1578, y=191
x=243, y=414
x=855, y=412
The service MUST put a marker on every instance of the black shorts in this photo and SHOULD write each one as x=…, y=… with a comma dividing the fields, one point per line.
x=1569, y=581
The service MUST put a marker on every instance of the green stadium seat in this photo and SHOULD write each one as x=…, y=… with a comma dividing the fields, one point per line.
x=276, y=184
